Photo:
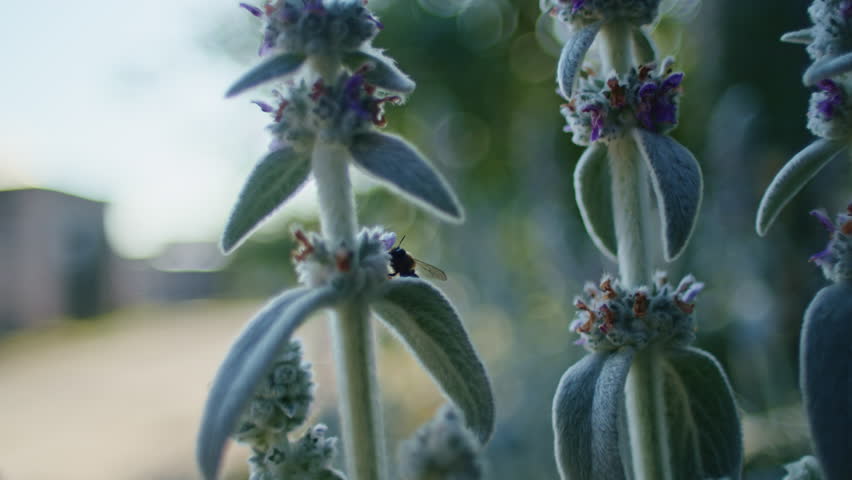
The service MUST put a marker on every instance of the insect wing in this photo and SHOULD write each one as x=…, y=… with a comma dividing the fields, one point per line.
x=428, y=271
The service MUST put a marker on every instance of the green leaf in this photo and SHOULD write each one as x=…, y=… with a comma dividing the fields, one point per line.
x=428, y=324
x=247, y=361
x=704, y=427
x=592, y=188
x=275, y=179
x=381, y=71
x=276, y=67
x=804, y=36
x=826, y=67
x=643, y=47
x=678, y=185
x=826, y=377
x=792, y=178
x=588, y=418
x=572, y=57
x=406, y=171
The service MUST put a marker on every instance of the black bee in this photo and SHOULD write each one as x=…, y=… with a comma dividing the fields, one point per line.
x=404, y=264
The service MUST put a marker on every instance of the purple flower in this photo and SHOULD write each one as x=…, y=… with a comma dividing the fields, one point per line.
x=264, y=107
x=656, y=102
x=846, y=8
x=833, y=98
x=824, y=219
x=823, y=258
x=252, y=9
x=388, y=240
x=692, y=292
x=597, y=115
x=314, y=6
x=576, y=5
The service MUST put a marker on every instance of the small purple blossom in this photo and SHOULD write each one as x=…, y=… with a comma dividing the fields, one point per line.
x=576, y=5
x=824, y=219
x=314, y=6
x=252, y=9
x=656, y=102
x=264, y=107
x=833, y=98
x=597, y=116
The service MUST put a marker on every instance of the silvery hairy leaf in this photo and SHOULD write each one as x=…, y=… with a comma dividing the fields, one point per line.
x=826, y=67
x=643, y=47
x=245, y=364
x=380, y=71
x=826, y=377
x=276, y=67
x=678, y=186
x=571, y=58
x=805, y=468
x=406, y=171
x=588, y=418
x=428, y=324
x=275, y=179
x=793, y=178
x=804, y=36
x=705, y=440
x=592, y=188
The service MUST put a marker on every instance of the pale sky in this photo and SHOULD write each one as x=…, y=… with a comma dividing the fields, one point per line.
x=120, y=102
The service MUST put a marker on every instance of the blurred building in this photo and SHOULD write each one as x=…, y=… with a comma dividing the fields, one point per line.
x=55, y=261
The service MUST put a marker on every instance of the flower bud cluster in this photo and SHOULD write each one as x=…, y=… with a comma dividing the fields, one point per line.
x=604, y=110
x=442, y=449
x=584, y=12
x=829, y=112
x=611, y=316
x=832, y=30
x=309, y=458
x=836, y=259
x=359, y=270
x=335, y=112
x=313, y=27
x=280, y=403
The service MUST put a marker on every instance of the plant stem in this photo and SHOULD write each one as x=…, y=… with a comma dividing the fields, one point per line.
x=360, y=409
x=354, y=352
x=645, y=398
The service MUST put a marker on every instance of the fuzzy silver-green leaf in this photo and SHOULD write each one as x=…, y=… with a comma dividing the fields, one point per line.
x=276, y=67
x=792, y=178
x=246, y=362
x=587, y=417
x=572, y=55
x=275, y=179
x=380, y=71
x=826, y=377
x=804, y=36
x=428, y=324
x=592, y=189
x=826, y=67
x=705, y=439
x=678, y=186
x=400, y=166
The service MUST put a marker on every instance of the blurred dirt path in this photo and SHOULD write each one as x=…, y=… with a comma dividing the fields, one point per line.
x=117, y=398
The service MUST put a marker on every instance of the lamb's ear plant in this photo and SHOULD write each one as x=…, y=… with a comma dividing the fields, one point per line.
x=829, y=44
x=331, y=86
x=825, y=352
x=642, y=404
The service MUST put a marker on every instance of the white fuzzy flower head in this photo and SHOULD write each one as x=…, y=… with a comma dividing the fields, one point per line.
x=309, y=458
x=443, y=449
x=280, y=403
x=315, y=27
x=584, y=12
x=832, y=30
x=829, y=111
x=358, y=271
x=611, y=316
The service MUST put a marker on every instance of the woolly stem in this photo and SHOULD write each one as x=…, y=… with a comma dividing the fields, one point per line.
x=645, y=397
x=360, y=409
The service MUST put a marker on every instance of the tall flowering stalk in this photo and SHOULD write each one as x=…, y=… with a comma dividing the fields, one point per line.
x=331, y=88
x=643, y=404
x=825, y=354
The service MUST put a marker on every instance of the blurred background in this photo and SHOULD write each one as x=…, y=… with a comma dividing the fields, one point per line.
x=120, y=159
